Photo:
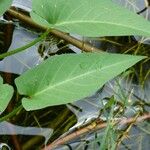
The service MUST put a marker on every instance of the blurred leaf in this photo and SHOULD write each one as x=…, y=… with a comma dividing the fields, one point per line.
x=110, y=103
x=67, y=78
x=6, y=93
x=4, y=5
x=89, y=17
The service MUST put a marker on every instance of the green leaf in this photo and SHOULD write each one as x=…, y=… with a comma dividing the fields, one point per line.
x=6, y=93
x=67, y=78
x=4, y=5
x=90, y=18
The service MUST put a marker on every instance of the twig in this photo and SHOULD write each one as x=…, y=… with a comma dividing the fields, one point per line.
x=126, y=131
x=76, y=42
x=11, y=114
x=92, y=127
x=20, y=49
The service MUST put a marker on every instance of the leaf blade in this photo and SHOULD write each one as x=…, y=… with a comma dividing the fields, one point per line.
x=89, y=18
x=5, y=96
x=66, y=78
x=4, y=5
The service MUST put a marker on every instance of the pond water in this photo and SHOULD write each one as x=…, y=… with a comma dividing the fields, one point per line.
x=35, y=129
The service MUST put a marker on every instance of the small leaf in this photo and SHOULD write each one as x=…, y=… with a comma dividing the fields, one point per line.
x=67, y=78
x=90, y=18
x=4, y=5
x=6, y=93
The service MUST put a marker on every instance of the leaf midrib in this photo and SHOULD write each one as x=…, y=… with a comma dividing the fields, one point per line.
x=76, y=77
x=65, y=23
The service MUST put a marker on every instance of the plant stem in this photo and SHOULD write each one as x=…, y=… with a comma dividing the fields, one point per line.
x=96, y=125
x=20, y=49
x=76, y=42
x=11, y=114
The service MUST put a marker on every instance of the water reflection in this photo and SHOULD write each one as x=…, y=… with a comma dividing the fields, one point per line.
x=7, y=128
x=25, y=5
x=22, y=61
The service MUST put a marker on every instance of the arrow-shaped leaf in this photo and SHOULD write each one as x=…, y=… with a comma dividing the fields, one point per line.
x=6, y=93
x=66, y=78
x=89, y=17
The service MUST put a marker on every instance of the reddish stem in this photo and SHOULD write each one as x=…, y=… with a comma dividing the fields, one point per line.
x=92, y=127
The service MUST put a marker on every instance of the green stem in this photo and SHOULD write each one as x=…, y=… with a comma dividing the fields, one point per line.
x=11, y=114
x=20, y=49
